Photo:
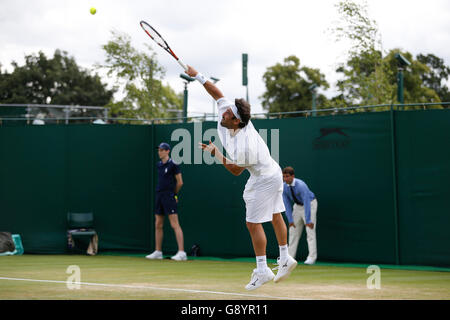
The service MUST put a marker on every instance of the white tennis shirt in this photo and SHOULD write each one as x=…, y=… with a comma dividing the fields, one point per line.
x=246, y=148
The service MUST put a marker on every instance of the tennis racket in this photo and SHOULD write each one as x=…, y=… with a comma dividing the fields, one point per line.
x=152, y=33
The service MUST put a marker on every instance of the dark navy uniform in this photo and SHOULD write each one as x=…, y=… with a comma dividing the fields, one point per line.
x=165, y=202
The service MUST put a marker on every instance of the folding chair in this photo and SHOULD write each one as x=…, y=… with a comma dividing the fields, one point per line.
x=81, y=227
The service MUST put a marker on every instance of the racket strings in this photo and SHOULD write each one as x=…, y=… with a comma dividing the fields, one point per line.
x=155, y=36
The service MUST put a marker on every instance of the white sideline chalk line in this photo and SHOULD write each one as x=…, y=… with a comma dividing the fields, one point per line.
x=151, y=288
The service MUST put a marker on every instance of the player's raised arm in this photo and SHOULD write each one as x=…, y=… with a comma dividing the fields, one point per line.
x=210, y=87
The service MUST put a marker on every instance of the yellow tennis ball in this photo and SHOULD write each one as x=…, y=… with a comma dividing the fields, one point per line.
x=93, y=10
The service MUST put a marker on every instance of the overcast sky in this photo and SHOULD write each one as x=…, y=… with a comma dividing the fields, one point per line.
x=211, y=35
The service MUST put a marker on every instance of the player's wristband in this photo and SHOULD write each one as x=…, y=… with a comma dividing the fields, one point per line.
x=201, y=78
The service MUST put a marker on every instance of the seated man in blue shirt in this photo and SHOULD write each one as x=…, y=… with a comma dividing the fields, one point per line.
x=301, y=209
x=169, y=183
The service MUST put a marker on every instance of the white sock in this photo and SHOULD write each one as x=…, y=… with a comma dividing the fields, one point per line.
x=261, y=263
x=283, y=251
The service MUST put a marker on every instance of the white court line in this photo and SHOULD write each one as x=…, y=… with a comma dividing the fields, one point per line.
x=152, y=288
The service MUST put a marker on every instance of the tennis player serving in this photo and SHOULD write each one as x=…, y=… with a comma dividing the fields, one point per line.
x=263, y=194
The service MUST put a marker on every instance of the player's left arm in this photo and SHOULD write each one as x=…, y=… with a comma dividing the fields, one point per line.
x=230, y=166
x=227, y=163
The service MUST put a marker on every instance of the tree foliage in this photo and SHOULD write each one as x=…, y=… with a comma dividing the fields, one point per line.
x=140, y=75
x=366, y=75
x=369, y=76
x=437, y=76
x=415, y=89
x=288, y=86
x=58, y=80
x=355, y=26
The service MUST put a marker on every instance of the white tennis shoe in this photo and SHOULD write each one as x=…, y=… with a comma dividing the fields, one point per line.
x=259, y=278
x=180, y=256
x=285, y=268
x=156, y=255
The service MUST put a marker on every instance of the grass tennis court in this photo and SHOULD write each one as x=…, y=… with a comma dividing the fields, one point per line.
x=106, y=277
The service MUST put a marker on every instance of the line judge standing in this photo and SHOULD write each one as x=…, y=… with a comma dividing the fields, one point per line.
x=301, y=210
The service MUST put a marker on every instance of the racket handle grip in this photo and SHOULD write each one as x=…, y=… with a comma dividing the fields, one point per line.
x=182, y=65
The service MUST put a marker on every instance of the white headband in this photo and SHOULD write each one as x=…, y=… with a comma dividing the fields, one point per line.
x=235, y=112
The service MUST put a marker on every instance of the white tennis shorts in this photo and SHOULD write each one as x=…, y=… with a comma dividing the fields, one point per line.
x=263, y=196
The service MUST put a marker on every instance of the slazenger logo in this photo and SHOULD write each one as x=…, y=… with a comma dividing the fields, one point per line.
x=331, y=138
x=327, y=131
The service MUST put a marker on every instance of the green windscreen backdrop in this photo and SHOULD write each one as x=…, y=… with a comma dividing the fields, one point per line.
x=381, y=181
x=423, y=153
x=47, y=171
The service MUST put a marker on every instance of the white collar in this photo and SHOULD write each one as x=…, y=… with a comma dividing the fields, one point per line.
x=292, y=184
